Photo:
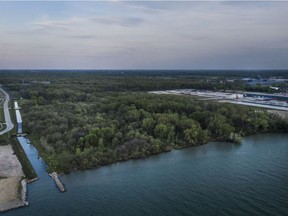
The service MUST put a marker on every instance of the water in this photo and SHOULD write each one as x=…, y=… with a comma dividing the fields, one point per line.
x=213, y=179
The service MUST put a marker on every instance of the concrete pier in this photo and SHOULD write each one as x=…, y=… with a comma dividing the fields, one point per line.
x=59, y=184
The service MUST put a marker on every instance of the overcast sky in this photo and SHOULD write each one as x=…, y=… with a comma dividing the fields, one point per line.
x=143, y=35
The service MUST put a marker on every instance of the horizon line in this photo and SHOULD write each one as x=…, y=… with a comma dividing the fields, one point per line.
x=55, y=69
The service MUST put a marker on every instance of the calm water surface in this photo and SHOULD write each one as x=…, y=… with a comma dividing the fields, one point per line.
x=213, y=179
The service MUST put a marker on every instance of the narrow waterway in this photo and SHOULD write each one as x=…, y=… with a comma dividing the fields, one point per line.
x=213, y=179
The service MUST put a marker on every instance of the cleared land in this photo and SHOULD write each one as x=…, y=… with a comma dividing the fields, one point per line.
x=12, y=183
x=10, y=179
x=282, y=114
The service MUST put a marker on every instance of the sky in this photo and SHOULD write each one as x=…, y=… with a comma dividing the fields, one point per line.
x=143, y=35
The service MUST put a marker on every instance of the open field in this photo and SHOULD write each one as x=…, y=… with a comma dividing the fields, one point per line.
x=282, y=114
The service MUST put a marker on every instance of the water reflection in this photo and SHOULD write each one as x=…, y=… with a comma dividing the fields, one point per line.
x=213, y=179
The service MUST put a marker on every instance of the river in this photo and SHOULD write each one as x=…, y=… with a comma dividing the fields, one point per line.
x=213, y=179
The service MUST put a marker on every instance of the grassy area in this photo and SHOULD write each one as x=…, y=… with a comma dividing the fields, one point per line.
x=28, y=170
x=2, y=116
x=13, y=118
x=5, y=138
x=2, y=119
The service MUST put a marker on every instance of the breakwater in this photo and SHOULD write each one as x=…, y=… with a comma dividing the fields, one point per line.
x=58, y=183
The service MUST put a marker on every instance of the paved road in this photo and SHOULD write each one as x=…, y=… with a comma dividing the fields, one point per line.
x=256, y=105
x=9, y=124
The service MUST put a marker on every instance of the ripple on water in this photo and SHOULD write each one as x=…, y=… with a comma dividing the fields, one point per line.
x=214, y=179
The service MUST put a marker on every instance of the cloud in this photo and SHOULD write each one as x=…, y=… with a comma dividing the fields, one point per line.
x=121, y=21
x=65, y=24
x=75, y=22
x=84, y=36
x=152, y=34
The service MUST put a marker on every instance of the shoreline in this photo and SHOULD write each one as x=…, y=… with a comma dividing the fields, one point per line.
x=13, y=183
x=162, y=152
x=17, y=203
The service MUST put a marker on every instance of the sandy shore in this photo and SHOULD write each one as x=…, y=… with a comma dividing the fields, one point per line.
x=12, y=187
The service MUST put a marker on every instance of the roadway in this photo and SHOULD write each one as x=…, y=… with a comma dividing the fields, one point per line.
x=9, y=124
x=267, y=106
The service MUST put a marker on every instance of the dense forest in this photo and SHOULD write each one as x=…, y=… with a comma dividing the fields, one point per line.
x=84, y=120
x=141, y=80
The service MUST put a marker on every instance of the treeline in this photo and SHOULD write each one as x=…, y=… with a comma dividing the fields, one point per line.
x=136, y=80
x=47, y=74
x=77, y=127
x=27, y=167
x=88, y=119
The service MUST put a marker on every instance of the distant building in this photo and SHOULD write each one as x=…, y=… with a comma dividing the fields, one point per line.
x=267, y=96
x=263, y=82
x=274, y=88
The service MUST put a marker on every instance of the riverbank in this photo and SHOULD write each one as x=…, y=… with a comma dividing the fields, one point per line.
x=135, y=156
x=213, y=179
x=21, y=202
x=12, y=185
x=28, y=169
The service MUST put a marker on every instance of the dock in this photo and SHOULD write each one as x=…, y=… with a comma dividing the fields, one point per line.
x=59, y=184
x=21, y=134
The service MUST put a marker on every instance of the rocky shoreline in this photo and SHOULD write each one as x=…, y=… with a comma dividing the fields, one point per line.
x=13, y=186
x=17, y=203
x=21, y=202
